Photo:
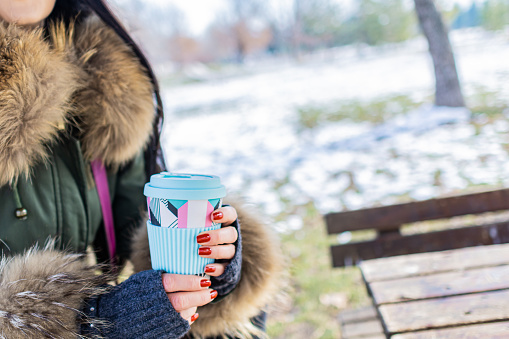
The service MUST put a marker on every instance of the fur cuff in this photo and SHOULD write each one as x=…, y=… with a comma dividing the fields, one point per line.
x=261, y=278
x=42, y=291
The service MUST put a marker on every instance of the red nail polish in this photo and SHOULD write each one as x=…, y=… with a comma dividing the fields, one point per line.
x=210, y=269
x=213, y=294
x=194, y=317
x=205, y=283
x=203, y=238
x=204, y=251
x=217, y=215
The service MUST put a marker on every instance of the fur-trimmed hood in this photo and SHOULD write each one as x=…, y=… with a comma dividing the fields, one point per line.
x=85, y=75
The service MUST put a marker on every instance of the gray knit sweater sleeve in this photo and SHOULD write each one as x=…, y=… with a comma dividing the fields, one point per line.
x=136, y=308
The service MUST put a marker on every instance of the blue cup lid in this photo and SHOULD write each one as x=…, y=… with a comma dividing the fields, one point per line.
x=184, y=186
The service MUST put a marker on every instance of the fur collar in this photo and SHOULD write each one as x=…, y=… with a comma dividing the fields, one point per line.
x=86, y=76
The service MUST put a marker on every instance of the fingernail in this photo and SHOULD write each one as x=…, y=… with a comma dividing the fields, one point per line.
x=203, y=238
x=194, y=317
x=204, y=251
x=217, y=215
x=213, y=294
x=210, y=269
x=205, y=283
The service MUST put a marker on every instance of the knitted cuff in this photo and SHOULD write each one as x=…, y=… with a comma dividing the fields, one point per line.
x=227, y=281
x=137, y=308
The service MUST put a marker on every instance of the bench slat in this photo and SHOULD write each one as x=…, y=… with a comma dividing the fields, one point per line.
x=361, y=323
x=440, y=285
x=436, y=313
x=362, y=329
x=498, y=330
x=434, y=262
x=357, y=315
x=353, y=253
x=391, y=217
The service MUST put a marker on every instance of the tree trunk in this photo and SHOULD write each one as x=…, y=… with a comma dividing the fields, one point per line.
x=448, y=90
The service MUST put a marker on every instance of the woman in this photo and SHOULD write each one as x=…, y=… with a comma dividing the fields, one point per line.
x=75, y=89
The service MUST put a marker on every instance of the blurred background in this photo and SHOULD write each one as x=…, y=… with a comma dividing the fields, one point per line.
x=305, y=107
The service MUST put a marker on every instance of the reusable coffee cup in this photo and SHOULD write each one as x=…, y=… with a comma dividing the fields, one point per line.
x=180, y=207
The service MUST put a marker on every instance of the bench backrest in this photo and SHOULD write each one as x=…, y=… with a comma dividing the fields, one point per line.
x=387, y=221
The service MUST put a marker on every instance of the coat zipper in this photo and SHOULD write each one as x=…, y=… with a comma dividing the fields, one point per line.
x=58, y=204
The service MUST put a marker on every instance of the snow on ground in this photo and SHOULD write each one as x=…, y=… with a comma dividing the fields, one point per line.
x=245, y=129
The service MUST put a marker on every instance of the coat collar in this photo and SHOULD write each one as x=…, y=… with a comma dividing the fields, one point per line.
x=86, y=76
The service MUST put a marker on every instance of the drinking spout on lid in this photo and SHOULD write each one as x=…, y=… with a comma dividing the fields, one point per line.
x=177, y=176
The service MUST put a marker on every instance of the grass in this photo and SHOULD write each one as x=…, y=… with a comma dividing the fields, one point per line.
x=318, y=292
x=483, y=103
x=375, y=111
x=488, y=104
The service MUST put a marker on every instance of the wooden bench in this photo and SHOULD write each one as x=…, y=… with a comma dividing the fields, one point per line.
x=387, y=221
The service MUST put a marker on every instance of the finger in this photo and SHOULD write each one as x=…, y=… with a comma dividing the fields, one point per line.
x=180, y=282
x=188, y=313
x=225, y=235
x=224, y=215
x=184, y=300
x=215, y=270
x=217, y=252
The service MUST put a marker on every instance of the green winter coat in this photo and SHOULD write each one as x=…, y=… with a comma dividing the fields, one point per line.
x=62, y=203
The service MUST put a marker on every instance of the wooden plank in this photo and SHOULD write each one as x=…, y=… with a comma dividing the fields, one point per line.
x=498, y=330
x=362, y=329
x=387, y=217
x=446, y=312
x=440, y=285
x=354, y=253
x=358, y=315
x=436, y=262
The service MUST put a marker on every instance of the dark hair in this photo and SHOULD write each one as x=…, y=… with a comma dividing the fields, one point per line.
x=76, y=11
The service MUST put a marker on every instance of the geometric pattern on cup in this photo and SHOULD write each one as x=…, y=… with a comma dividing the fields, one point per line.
x=169, y=217
x=216, y=203
x=182, y=213
x=154, y=211
x=193, y=214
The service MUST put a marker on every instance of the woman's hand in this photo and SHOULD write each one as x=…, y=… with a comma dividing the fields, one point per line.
x=187, y=292
x=218, y=244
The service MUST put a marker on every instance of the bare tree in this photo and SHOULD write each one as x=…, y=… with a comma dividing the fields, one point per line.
x=220, y=43
x=184, y=49
x=242, y=11
x=448, y=90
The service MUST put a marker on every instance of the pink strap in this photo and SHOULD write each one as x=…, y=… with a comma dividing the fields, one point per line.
x=101, y=182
